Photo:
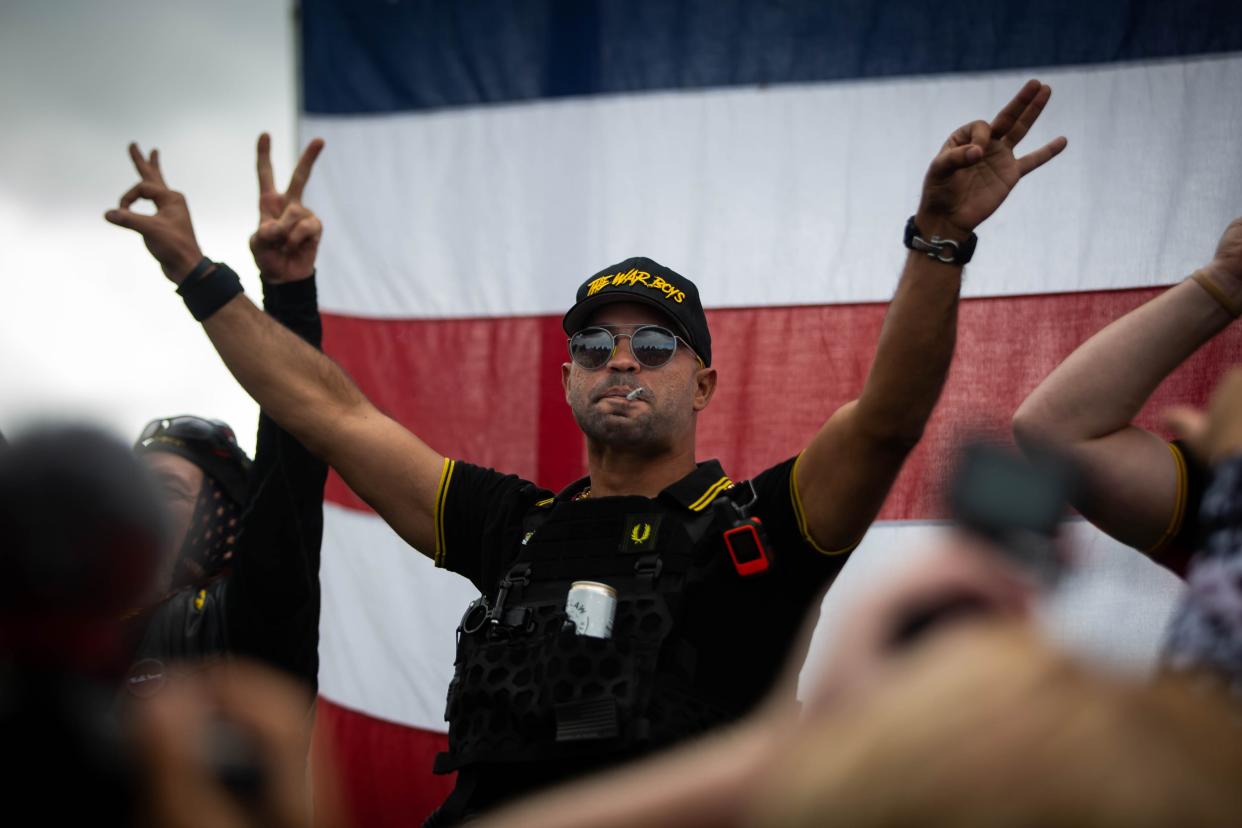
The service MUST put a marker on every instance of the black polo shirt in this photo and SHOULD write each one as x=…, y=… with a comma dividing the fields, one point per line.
x=742, y=628
x=1181, y=537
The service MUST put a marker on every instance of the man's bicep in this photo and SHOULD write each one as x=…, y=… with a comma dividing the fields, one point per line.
x=1133, y=486
x=841, y=479
x=393, y=471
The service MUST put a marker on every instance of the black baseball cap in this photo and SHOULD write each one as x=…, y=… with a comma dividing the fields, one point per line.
x=644, y=280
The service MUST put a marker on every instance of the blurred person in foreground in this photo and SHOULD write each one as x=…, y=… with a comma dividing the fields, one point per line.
x=83, y=539
x=945, y=706
x=1137, y=487
x=1205, y=635
x=244, y=578
x=991, y=726
x=698, y=637
x=86, y=538
x=225, y=748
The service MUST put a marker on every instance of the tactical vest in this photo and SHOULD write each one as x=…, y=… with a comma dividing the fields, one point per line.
x=527, y=687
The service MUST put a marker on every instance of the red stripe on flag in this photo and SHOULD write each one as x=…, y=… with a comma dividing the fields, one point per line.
x=488, y=390
x=381, y=770
x=484, y=389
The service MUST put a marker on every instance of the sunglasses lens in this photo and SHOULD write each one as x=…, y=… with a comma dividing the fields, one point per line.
x=653, y=347
x=190, y=428
x=591, y=348
x=152, y=428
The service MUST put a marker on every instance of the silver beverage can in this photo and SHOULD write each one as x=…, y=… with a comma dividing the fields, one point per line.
x=591, y=606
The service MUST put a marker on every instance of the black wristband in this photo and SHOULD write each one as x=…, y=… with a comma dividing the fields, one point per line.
x=204, y=295
x=204, y=264
x=301, y=292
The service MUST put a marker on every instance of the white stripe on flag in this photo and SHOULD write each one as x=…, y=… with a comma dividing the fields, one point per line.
x=386, y=630
x=785, y=195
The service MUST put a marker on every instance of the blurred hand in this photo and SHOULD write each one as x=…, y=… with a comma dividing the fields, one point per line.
x=976, y=168
x=1226, y=265
x=168, y=234
x=199, y=728
x=1217, y=433
x=962, y=580
x=287, y=240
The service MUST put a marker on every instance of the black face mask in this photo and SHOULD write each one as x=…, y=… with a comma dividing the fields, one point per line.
x=210, y=541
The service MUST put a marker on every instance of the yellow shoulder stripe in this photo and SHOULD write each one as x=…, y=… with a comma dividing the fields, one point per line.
x=539, y=504
x=446, y=477
x=800, y=514
x=711, y=494
x=1179, y=502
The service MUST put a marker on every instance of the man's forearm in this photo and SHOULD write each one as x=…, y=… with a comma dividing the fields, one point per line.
x=914, y=352
x=296, y=306
x=1102, y=385
x=284, y=523
x=297, y=386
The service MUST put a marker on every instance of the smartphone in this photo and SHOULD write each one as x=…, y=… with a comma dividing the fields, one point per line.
x=1015, y=503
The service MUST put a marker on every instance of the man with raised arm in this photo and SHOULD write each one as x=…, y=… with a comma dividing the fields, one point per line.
x=242, y=576
x=1136, y=487
x=697, y=585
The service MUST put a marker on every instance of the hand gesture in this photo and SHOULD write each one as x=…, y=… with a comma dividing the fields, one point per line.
x=168, y=234
x=976, y=168
x=1226, y=266
x=226, y=746
x=285, y=244
x=962, y=579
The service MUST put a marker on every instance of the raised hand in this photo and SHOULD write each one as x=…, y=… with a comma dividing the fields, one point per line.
x=287, y=240
x=976, y=168
x=168, y=234
x=193, y=737
x=1215, y=434
x=1226, y=265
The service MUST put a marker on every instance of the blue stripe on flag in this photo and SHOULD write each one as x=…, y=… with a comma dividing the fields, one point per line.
x=369, y=56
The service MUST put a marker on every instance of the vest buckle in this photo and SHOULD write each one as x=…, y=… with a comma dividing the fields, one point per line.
x=519, y=575
x=649, y=566
x=517, y=619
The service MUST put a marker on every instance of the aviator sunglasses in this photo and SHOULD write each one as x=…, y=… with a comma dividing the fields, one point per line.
x=652, y=346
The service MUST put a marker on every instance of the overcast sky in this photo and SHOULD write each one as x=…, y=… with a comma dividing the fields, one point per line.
x=89, y=327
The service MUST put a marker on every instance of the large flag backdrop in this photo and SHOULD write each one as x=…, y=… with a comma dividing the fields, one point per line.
x=484, y=157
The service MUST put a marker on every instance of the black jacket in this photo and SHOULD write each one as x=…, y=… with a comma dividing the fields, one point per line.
x=267, y=606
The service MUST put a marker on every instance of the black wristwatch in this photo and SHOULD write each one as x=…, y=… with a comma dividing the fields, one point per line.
x=944, y=250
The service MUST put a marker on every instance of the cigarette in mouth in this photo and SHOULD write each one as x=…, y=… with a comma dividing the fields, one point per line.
x=633, y=395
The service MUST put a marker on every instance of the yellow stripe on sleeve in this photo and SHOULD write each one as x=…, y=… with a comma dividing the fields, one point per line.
x=446, y=477
x=1179, y=503
x=800, y=514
